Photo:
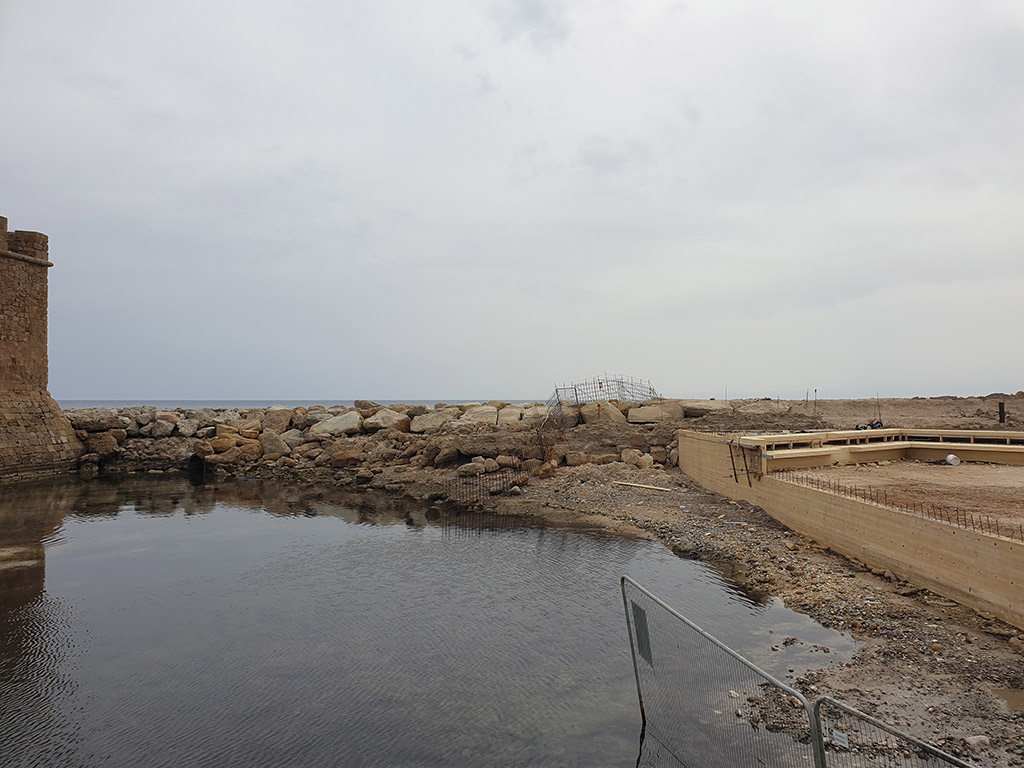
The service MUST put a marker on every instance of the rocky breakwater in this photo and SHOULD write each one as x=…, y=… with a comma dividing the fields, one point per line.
x=411, y=448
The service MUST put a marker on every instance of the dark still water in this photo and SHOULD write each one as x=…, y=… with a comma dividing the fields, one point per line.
x=156, y=623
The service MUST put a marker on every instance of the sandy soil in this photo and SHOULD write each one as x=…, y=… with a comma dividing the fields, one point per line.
x=946, y=412
x=928, y=665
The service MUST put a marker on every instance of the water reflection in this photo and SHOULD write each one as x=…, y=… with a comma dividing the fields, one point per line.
x=29, y=516
x=242, y=623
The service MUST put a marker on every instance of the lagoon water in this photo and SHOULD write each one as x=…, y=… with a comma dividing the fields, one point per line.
x=153, y=622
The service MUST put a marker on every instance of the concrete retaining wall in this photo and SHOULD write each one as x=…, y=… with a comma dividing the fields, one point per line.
x=981, y=571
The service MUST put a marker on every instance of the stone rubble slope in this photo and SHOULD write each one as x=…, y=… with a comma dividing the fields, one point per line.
x=370, y=442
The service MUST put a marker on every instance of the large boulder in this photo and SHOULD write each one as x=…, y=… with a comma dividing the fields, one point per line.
x=510, y=414
x=601, y=411
x=140, y=453
x=143, y=414
x=273, y=443
x=349, y=423
x=447, y=454
x=346, y=455
x=694, y=409
x=636, y=458
x=97, y=419
x=202, y=448
x=232, y=456
x=250, y=429
x=293, y=437
x=101, y=443
x=534, y=414
x=171, y=416
x=207, y=417
x=653, y=413
x=385, y=418
x=493, y=443
x=222, y=444
x=434, y=421
x=277, y=419
x=249, y=450
x=480, y=414
x=161, y=428
x=565, y=414
x=579, y=458
x=316, y=415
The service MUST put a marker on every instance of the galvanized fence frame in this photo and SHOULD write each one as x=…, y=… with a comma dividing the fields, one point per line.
x=838, y=735
x=852, y=739
x=753, y=734
x=566, y=399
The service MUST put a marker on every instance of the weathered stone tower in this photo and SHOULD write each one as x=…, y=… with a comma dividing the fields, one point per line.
x=35, y=436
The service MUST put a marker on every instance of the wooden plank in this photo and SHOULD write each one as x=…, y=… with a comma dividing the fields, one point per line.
x=640, y=485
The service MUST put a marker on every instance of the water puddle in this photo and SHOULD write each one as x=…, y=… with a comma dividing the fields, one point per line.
x=1014, y=697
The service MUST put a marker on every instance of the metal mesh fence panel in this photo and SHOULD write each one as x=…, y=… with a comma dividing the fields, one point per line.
x=853, y=739
x=470, y=491
x=705, y=705
x=561, y=411
x=567, y=398
x=614, y=387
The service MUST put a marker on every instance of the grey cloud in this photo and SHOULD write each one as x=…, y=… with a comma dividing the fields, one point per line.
x=486, y=84
x=542, y=22
x=603, y=156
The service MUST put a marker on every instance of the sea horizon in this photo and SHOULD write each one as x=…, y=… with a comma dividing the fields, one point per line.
x=194, y=405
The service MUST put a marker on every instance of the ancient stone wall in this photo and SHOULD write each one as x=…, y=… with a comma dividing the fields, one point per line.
x=35, y=436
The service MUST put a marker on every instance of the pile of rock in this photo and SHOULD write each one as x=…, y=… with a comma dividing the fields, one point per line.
x=368, y=439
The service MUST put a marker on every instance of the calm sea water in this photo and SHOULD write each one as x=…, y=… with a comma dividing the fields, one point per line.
x=152, y=622
x=244, y=404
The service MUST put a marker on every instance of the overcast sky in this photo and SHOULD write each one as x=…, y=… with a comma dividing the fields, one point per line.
x=389, y=199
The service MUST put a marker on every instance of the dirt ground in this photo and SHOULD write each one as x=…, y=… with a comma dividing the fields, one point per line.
x=928, y=665
x=947, y=412
x=993, y=490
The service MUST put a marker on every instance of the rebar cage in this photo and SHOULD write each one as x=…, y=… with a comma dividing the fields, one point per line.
x=703, y=704
x=958, y=518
